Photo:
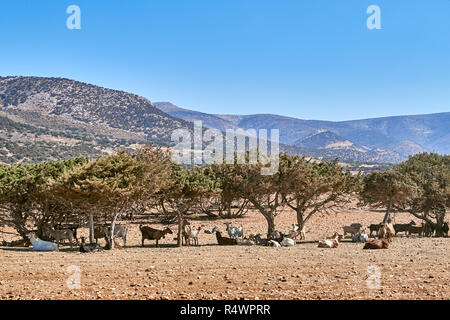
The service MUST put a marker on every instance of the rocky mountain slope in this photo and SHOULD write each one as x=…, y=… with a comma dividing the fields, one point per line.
x=54, y=118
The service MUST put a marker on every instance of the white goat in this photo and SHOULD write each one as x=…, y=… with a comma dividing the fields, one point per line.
x=287, y=242
x=211, y=230
x=234, y=232
x=40, y=245
x=361, y=236
x=191, y=234
x=274, y=243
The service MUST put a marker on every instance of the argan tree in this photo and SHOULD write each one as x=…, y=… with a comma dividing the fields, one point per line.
x=388, y=189
x=107, y=186
x=430, y=172
x=186, y=188
x=261, y=191
x=311, y=187
x=22, y=193
x=229, y=201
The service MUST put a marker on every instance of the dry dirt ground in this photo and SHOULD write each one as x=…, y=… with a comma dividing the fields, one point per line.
x=412, y=268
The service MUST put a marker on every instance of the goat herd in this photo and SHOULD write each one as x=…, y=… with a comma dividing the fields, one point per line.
x=190, y=235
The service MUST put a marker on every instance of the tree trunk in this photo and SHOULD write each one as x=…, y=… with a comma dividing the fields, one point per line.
x=180, y=229
x=270, y=218
x=111, y=232
x=91, y=228
x=300, y=219
x=20, y=224
x=388, y=212
x=439, y=225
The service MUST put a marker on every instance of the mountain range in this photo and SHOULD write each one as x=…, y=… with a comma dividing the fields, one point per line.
x=56, y=118
x=389, y=139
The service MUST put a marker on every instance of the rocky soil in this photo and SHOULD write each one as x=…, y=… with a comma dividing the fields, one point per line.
x=412, y=268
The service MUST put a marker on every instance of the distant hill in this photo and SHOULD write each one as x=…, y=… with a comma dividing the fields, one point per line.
x=389, y=138
x=54, y=118
x=324, y=139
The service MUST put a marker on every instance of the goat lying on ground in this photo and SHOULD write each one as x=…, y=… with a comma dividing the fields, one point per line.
x=260, y=241
x=234, y=232
x=273, y=243
x=330, y=243
x=224, y=241
x=59, y=235
x=377, y=244
x=93, y=247
x=287, y=242
x=40, y=245
x=153, y=234
x=211, y=231
x=246, y=242
x=277, y=236
x=18, y=243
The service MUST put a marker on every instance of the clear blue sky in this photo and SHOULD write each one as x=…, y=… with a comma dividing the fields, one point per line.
x=312, y=59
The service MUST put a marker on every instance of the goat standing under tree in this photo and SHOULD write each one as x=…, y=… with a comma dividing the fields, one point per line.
x=186, y=189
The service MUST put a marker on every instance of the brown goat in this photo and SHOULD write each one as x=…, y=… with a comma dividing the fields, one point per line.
x=153, y=234
x=224, y=241
x=377, y=244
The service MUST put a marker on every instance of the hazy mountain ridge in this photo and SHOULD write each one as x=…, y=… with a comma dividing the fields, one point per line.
x=399, y=136
x=56, y=118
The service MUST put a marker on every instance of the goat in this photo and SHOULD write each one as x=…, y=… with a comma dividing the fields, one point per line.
x=273, y=243
x=18, y=243
x=85, y=248
x=361, y=236
x=416, y=230
x=374, y=227
x=428, y=230
x=277, y=236
x=234, y=232
x=287, y=242
x=330, y=243
x=403, y=227
x=445, y=228
x=386, y=231
x=211, y=230
x=352, y=229
x=224, y=241
x=246, y=242
x=191, y=233
x=120, y=231
x=40, y=245
x=153, y=234
x=377, y=244
x=260, y=241
x=59, y=235
x=297, y=231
